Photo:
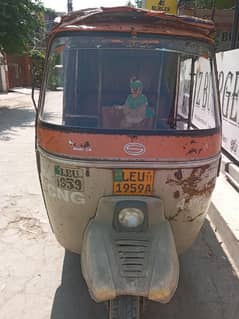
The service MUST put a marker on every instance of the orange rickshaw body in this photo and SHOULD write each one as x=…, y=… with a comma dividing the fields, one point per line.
x=87, y=158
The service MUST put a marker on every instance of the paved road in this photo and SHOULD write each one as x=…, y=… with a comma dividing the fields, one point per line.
x=39, y=280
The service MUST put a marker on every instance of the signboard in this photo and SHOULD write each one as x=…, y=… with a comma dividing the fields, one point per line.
x=228, y=73
x=169, y=6
x=203, y=112
x=203, y=115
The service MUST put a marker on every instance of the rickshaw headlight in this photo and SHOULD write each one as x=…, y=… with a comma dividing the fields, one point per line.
x=131, y=217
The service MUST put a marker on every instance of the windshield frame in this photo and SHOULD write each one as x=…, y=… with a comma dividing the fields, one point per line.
x=181, y=41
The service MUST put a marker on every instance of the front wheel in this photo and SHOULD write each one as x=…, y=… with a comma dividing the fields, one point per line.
x=124, y=307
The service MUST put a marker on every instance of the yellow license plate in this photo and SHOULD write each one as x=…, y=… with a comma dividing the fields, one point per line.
x=133, y=181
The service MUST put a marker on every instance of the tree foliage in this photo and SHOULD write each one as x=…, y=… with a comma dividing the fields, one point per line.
x=208, y=4
x=38, y=60
x=225, y=4
x=21, y=22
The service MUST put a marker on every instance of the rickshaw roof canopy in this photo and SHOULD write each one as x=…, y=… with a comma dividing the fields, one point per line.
x=134, y=21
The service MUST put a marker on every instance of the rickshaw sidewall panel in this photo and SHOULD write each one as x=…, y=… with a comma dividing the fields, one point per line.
x=72, y=192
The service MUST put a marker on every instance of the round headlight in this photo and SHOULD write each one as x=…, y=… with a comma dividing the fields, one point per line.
x=131, y=217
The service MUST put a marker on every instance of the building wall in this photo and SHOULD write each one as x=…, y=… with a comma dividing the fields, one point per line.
x=19, y=71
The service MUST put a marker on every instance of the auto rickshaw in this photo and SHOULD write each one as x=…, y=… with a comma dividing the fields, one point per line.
x=128, y=138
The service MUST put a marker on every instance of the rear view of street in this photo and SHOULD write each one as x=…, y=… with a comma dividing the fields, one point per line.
x=39, y=280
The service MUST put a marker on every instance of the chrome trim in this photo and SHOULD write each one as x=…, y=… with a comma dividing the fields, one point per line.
x=130, y=164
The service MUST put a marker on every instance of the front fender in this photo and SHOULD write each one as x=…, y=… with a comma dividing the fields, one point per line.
x=129, y=263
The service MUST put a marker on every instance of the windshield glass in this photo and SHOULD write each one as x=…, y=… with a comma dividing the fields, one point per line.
x=129, y=84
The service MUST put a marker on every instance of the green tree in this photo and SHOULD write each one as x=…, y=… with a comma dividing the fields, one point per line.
x=21, y=23
x=225, y=4
x=38, y=60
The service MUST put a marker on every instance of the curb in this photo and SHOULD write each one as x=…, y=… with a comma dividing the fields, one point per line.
x=231, y=171
x=232, y=174
x=27, y=91
x=224, y=216
x=225, y=235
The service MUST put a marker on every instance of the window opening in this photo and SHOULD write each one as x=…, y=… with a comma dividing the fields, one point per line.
x=92, y=83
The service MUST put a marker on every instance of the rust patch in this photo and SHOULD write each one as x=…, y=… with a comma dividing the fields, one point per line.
x=178, y=174
x=133, y=138
x=160, y=295
x=176, y=194
x=174, y=217
x=103, y=293
x=190, y=184
x=124, y=18
x=191, y=219
x=192, y=151
x=193, y=147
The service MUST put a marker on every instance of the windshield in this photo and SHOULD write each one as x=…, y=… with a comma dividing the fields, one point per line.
x=127, y=83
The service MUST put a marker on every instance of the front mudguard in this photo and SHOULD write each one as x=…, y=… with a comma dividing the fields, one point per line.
x=130, y=263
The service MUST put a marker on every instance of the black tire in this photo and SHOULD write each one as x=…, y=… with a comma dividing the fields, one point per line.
x=124, y=307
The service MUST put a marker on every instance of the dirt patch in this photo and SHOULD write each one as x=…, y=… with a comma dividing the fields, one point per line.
x=27, y=227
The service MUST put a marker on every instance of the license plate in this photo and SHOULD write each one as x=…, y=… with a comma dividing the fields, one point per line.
x=69, y=178
x=133, y=181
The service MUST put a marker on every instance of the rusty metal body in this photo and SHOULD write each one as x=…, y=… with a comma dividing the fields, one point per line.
x=87, y=173
x=185, y=189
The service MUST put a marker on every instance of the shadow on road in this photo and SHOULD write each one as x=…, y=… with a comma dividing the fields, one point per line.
x=13, y=118
x=72, y=300
x=208, y=287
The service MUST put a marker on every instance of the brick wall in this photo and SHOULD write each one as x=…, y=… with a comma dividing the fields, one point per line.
x=19, y=71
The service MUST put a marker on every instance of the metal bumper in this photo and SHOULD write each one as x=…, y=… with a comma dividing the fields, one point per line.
x=123, y=263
